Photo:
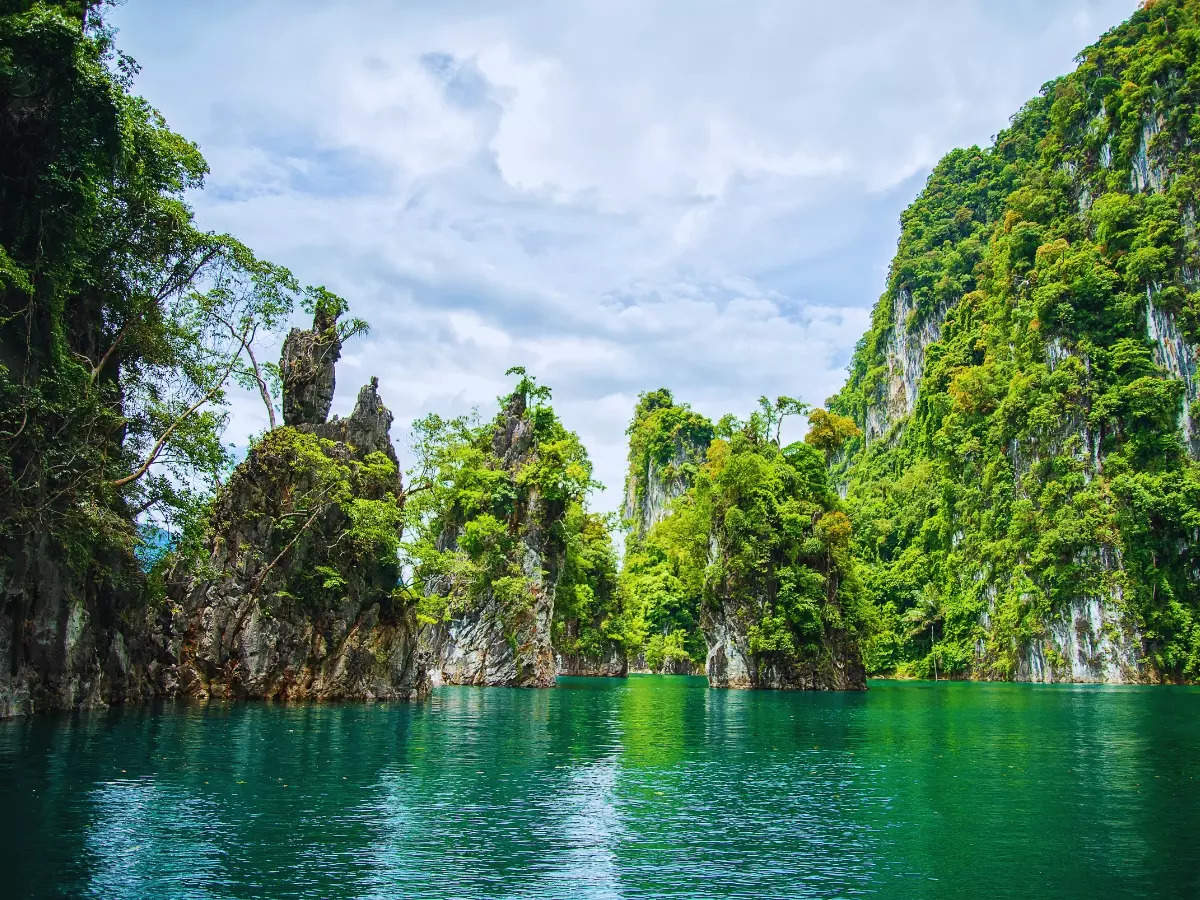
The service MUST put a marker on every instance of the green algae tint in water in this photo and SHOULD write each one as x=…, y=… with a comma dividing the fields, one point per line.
x=650, y=787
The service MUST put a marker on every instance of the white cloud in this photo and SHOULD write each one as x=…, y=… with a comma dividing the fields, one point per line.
x=618, y=195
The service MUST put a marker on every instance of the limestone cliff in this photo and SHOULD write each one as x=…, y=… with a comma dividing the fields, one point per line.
x=73, y=635
x=781, y=607
x=733, y=663
x=497, y=628
x=667, y=442
x=297, y=595
x=1025, y=490
x=909, y=335
x=612, y=664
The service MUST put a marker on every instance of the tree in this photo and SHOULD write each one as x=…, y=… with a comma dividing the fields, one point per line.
x=925, y=615
x=122, y=324
x=773, y=414
x=829, y=432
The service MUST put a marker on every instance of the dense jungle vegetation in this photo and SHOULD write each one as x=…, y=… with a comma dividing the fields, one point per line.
x=1010, y=470
x=743, y=527
x=1046, y=462
x=474, y=510
x=123, y=324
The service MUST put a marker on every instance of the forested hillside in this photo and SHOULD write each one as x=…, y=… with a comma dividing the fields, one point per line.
x=123, y=324
x=738, y=553
x=1025, y=493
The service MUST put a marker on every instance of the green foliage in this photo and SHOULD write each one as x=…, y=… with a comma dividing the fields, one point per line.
x=1042, y=463
x=660, y=587
x=829, y=432
x=667, y=442
x=665, y=436
x=313, y=500
x=121, y=322
x=472, y=512
x=588, y=619
x=780, y=554
x=757, y=536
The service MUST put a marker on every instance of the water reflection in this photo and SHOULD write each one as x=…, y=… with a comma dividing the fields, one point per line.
x=646, y=787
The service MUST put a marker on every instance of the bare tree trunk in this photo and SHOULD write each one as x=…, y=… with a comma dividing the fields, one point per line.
x=262, y=386
x=166, y=435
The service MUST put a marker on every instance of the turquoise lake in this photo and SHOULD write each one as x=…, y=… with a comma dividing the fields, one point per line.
x=647, y=787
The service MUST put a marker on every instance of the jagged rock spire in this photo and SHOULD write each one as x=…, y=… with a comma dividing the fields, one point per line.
x=369, y=425
x=307, y=369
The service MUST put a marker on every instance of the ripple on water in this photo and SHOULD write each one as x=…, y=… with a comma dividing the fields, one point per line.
x=646, y=787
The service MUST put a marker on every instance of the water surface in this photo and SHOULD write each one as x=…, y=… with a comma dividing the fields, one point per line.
x=647, y=787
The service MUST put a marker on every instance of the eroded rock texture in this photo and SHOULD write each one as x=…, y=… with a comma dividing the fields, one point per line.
x=306, y=367
x=613, y=664
x=299, y=595
x=731, y=664
x=504, y=637
x=294, y=604
x=73, y=635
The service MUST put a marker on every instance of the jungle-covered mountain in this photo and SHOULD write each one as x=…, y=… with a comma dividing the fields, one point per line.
x=1025, y=492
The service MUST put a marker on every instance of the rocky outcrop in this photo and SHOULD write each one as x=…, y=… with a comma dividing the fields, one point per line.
x=650, y=490
x=1091, y=642
x=667, y=441
x=292, y=603
x=297, y=597
x=732, y=664
x=503, y=636
x=73, y=637
x=1176, y=356
x=911, y=335
x=612, y=665
x=669, y=666
x=306, y=368
x=368, y=428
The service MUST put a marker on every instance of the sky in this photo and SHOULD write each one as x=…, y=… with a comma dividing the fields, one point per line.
x=618, y=196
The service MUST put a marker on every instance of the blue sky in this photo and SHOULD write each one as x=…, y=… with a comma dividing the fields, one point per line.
x=617, y=195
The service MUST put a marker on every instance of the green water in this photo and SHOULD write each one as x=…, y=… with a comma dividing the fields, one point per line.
x=650, y=787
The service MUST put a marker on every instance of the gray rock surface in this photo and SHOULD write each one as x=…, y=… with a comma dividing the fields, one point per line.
x=731, y=664
x=73, y=637
x=306, y=367
x=492, y=641
x=614, y=664
x=286, y=607
x=910, y=337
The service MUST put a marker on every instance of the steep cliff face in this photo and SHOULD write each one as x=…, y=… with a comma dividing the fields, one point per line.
x=909, y=335
x=732, y=661
x=74, y=636
x=74, y=629
x=497, y=512
x=650, y=491
x=1174, y=354
x=778, y=612
x=297, y=595
x=668, y=442
x=1032, y=365
x=613, y=663
x=499, y=634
